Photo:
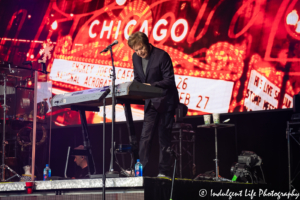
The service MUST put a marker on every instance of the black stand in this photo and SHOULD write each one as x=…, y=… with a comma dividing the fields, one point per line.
x=216, y=126
x=174, y=171
x=86, y=141
x=103, y=146
x=113, y=96
x=10, y=169
x=4, y=166
x=291, y=132
x=4, y=123
x=131, y=130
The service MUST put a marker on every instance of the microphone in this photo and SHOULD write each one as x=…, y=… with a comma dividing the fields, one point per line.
x=107, y=91
x=107, y=48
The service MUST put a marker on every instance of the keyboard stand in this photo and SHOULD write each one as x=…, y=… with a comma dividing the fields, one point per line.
x=131, y=129
x=86, y=141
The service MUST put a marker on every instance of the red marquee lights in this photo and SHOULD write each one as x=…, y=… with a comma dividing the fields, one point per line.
x=241, y=46
x=224, y=61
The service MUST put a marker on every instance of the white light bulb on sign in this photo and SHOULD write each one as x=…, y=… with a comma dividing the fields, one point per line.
x=54, y=25
x=120, y=2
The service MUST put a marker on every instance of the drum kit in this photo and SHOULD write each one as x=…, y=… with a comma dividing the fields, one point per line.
x=16, y=116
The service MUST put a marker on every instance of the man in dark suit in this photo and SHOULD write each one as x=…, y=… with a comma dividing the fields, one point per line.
x=153, y=66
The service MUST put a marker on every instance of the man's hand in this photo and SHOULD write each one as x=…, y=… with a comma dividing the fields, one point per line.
x=147, y=84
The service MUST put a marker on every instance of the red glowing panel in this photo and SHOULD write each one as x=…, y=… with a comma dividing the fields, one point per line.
x=227, y=57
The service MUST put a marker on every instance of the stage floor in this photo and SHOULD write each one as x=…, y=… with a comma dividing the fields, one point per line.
x=138, y=188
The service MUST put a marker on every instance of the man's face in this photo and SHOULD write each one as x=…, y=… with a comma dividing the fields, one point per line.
x=141, y=50
x=78, y=160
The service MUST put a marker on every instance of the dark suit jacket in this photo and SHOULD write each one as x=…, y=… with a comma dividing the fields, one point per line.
x=159, y=73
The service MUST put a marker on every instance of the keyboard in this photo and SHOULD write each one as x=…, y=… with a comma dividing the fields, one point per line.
x=132, y=92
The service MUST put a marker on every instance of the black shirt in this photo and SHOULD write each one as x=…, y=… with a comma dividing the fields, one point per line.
x=81, y=173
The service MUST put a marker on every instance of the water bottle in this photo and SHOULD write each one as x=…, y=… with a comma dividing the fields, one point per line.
x=47, y=173
x=138, y=169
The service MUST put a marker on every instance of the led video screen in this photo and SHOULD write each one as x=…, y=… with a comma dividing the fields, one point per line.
x=228, y=55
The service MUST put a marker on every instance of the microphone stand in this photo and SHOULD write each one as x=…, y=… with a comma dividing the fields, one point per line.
x=113, y=104
x=3, y=138
x=171, y=151
x=103, y=159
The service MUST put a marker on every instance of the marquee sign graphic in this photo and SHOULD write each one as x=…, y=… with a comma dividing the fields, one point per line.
x=228, y=55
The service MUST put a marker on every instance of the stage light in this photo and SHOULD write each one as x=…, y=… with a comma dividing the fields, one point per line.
x=29, y=82
x=120, y=2
x=32, y=56
x=292, y=18
x=54, y=25
x=29, y=16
